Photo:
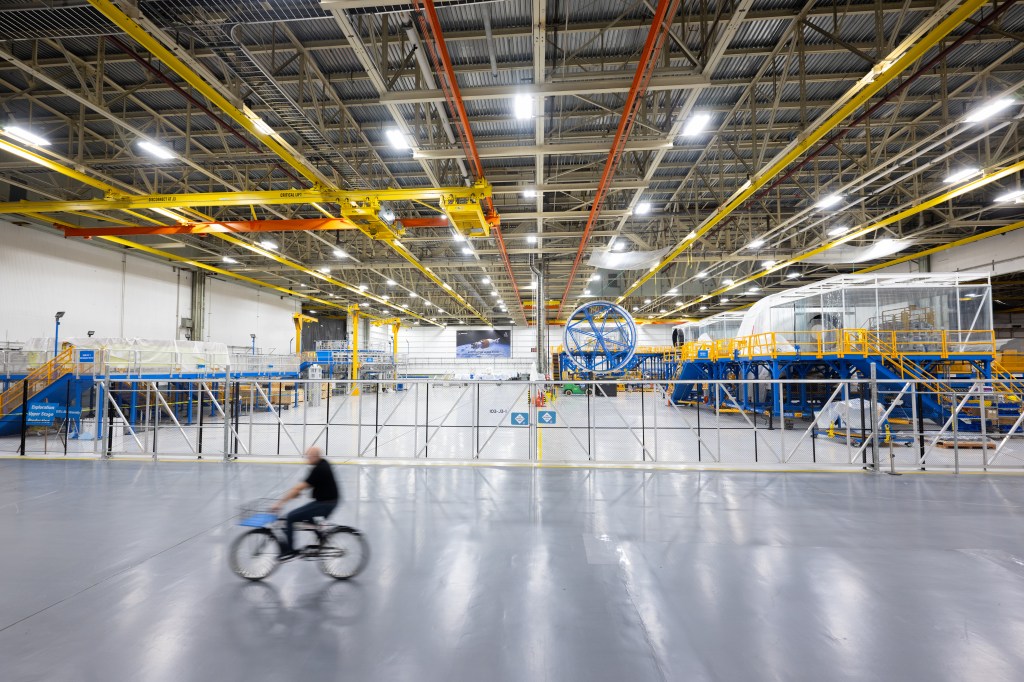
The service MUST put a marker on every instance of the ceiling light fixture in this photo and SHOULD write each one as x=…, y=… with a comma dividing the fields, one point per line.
x=156, y=150
x=1010, y=196
x=530, y=193
x=756, y=244
x=768, y=263
x=27, y=136
x=836, y=231
x=338, y=253
x=728, y=282
x=268, y=245
x=390, y=282
x=696, y=124
x=397, y=138
x=703, y=307
x=989, y=110
x=643, y=208
x=961, y=174
x=523, y=106
x=229, y=259
x=702, y=275
x=829, y=201
x=793, y=275
x=363, y=287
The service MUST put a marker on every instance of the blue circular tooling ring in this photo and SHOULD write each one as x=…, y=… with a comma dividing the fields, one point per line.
x=600, y=337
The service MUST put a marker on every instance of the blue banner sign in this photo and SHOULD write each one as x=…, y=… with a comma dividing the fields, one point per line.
x=702, y=355
x=42, y=413
x=324, y=355
x=86, y=355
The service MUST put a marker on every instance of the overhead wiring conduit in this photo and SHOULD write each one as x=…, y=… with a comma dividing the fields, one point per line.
x=430, y=26
x=661, y=23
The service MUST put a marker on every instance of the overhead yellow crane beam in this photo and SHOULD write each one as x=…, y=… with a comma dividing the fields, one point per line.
x=116, y=199
x=877, y=225
x=26, y=208
x=872, y=83
x=375, y=228
x=240, y=115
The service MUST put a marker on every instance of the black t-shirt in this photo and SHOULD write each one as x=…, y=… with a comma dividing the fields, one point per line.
x=321, y=479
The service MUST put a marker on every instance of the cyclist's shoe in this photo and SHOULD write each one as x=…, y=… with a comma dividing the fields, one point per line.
x=287, y=556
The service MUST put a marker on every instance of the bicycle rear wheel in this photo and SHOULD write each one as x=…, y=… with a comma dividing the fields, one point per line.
x=344, y=553
x=253, y=555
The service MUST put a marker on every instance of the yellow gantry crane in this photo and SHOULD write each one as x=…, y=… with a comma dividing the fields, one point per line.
x=354, y=313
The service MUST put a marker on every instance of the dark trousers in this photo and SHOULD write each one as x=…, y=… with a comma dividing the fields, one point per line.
x=306, y=512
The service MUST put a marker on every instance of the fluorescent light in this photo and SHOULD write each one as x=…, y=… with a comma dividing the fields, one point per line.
x=703, y=307
x=156, y=150
x=175, y=216
x=485, y=280
x=466, y=250
x=390, y=282
x=523, y=106
x=753, y=290
x=961, y=174
x=26, y=136
x=363, y=287
x=325, y=270
x=692, y=235
x=530, y=193
x=836, y=231
x=386, y=297
x=728, y=282
x=636, y=308
x=768, y=263
x=647, y=301
x=989, y=110
x=696, y=124
x=340, y=254
x=673, y=291
x=725, y=300
x=586, y=292
x=662, y=311
x=702, y=275
x=494, y=293
x=793, y=275
x=262, y=126
x=229, y=259
x=397, y=138
x=268, y=245
x=364, y=305
x=1010, y=196
x=412, y=294
x=756, y=244
x=643, y=208
x=829, y=201
x=458, y=236
x=531, y=239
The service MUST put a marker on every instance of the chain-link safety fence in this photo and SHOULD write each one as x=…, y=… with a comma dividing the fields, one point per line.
x=884, y=425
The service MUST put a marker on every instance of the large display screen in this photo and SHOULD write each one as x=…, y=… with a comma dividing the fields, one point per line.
x=483, y=343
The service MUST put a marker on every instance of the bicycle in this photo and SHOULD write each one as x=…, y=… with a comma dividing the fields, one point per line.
x=342, y=551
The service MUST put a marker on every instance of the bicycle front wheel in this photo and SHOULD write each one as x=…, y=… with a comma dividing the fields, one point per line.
x=254, y=555
x=344, y=553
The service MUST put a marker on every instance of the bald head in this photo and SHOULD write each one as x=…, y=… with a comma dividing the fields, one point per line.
x=314, y=454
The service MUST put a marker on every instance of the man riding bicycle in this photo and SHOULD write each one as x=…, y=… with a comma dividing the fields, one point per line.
x=325, y=498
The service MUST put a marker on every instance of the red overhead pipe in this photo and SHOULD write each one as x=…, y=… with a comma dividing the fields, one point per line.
x=995, y=14
x=430, y=29
x=661, y=24
x=121, y=45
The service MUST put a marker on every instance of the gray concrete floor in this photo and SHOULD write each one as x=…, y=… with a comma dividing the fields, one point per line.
x=117, y=571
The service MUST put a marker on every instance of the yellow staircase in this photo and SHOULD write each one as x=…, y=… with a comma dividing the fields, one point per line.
x=38, y=379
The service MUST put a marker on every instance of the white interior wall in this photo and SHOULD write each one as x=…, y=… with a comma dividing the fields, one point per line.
x=118, y=294
x=234, y=312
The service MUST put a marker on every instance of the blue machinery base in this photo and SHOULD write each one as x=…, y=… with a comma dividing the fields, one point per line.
x=73, y=396
x=803, y=399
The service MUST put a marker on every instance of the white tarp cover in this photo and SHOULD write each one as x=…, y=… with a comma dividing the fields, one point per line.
x=845, y=413
x=627, y=260
x=145, y=353
x=860, y=254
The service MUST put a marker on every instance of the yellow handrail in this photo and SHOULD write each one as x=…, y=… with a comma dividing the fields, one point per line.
x=38, y=379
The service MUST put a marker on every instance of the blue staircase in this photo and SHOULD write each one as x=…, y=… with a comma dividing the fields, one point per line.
x=690, y=372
